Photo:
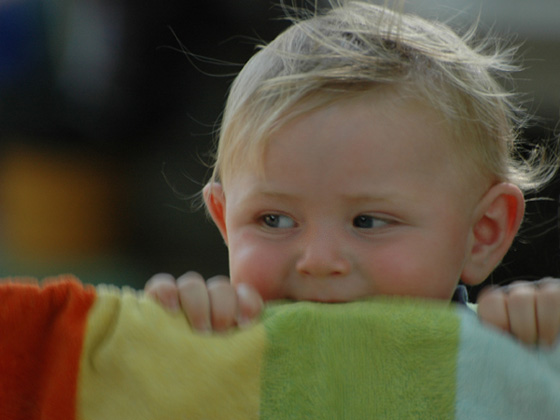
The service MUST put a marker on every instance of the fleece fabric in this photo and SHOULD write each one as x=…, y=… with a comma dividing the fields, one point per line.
x=69, y=351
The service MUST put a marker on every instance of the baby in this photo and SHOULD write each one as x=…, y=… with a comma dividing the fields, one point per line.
x=366, y=152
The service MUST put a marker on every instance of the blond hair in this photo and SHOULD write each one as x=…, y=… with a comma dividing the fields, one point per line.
x=358, y=46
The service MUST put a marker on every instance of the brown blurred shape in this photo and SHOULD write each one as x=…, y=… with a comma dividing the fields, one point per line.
x=57, y=204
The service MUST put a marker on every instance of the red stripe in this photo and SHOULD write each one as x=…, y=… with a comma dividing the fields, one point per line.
x=41, y=337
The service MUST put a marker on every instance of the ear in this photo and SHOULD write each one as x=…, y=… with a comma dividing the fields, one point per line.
x=497, y=219
x=215, y=201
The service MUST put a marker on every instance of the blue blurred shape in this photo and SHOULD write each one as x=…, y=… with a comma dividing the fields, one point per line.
x=22, y=40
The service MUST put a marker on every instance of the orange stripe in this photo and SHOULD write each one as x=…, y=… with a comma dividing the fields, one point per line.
x=41, y=337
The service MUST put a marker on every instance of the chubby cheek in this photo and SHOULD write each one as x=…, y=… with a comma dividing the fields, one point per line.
x=416, y=273
x=259, y=265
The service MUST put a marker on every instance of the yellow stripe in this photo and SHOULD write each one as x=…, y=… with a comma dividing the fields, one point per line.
x=140, y=362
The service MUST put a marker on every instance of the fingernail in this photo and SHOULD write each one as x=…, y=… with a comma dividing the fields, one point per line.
x=242, y=289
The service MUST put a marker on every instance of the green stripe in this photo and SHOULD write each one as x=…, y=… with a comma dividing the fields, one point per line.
x=387, y=358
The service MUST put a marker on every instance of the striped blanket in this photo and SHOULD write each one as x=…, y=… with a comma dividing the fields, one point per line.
x=69, y=351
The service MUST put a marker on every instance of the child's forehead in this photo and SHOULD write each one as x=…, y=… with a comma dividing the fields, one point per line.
x=392, y=102
x=384, y=113
x=359, y=104
x=335, y=156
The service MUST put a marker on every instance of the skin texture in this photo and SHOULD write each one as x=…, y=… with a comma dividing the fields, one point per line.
x=529, y=311
x=355, y=201
x=364, y=197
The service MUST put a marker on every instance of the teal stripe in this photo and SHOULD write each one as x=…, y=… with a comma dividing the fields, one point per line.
x=499, y=378
x=388, y=358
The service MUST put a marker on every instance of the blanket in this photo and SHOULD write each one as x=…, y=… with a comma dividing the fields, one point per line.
x=70, y=351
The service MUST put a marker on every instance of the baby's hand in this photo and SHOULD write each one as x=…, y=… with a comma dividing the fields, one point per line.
x=528, y=310
x=213, y=305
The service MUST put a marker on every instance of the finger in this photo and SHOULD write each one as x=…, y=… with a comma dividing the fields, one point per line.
x=194, y=299
x=223, y=303
x=492, y=308
x=548, y=312
x=250, y=304
x=163, y=288
x=522, y=312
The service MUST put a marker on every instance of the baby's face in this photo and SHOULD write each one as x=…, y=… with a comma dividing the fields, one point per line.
x=358, y=199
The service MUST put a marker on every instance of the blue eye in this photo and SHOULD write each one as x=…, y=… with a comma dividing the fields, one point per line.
x=278, y=221
x=368, y=222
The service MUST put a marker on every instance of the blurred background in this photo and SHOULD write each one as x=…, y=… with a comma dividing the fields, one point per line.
x=105, y=126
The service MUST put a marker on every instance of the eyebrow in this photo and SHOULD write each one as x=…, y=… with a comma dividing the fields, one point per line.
x=271, y=194
x=356, y=198
x=369, y=197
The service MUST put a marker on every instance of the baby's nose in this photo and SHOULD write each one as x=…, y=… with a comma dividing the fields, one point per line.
x=323, y=256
